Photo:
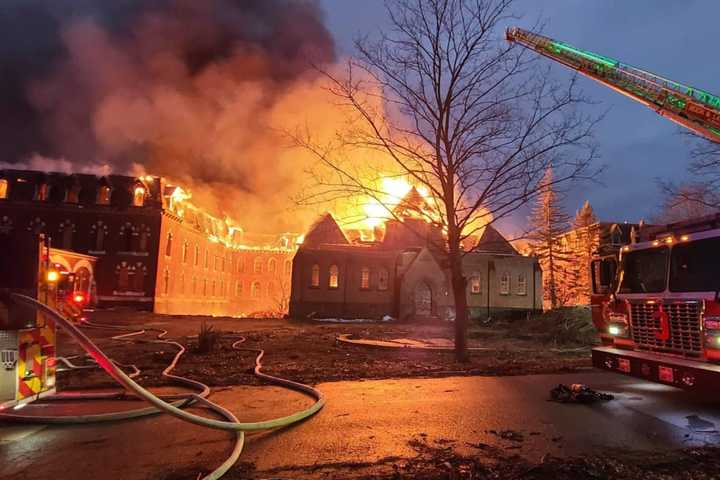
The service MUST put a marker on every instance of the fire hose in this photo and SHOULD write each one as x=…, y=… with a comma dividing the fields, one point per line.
x=171, y=404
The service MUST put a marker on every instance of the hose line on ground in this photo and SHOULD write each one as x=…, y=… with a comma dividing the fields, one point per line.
x=174, y=408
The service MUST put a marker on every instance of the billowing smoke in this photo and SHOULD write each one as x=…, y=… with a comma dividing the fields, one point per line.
x=197, y=90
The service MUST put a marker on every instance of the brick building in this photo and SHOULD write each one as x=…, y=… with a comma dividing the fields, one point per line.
x=402, y=276
x=156, y=250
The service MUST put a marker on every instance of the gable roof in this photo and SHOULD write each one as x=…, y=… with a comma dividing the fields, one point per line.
x=325, y=230
x=492, y=241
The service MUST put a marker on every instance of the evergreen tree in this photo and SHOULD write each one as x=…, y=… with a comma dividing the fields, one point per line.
x=548, y=223
x=586, y=241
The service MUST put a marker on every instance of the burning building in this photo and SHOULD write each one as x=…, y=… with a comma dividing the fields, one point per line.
x=404, y=276
x=156, y=250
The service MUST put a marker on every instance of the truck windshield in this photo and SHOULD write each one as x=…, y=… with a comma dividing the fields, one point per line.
x=694, y=266
x=645, y=271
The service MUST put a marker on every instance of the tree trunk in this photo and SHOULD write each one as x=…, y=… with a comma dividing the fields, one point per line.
x=457, y=281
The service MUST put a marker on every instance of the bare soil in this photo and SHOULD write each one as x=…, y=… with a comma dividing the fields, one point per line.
x=309, y=352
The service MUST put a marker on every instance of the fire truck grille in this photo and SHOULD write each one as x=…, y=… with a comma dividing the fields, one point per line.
x=685, y=336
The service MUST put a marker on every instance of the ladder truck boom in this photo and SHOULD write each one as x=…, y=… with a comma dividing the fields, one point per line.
x=693, y=108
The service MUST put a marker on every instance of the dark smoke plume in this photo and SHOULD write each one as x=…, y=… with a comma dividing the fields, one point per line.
x=191, y=89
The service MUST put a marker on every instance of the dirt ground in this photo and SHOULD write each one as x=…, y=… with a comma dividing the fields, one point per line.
x=309, y=353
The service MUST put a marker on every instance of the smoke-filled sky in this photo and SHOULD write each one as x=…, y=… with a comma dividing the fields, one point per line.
x=674, y=39
x=198, y=90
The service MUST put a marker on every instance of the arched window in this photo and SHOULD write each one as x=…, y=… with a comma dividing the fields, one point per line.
x=138, y=199
x=184, y=252
x=207, y=258
x=241, y=265
x=475, y=284
x=315, y=276
x=522, y=284
x=67, y=229
x=166, y=281
x=197, y=255
x=257, y=265
x=615, y=235
x=103, y=195
x=138, y=281
x=204, y=287
x=239, y=289
x=37, y=226
x=73, y=193
x=364, y=278
x=3, y=188
x=143, y=237
x=255, y=290
x=122, y=271
x=272, y=265
x=128, y=236
x=42, y=192
x=333, y=278
x=168, y=245
x=98, y=231
x=288, y=267
x=505, y=284
x=383, y=279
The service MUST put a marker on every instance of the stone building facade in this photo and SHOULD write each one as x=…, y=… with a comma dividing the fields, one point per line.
x=156, y=250
x=403, y=276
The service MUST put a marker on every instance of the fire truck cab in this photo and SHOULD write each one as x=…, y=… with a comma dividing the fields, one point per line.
x=656, y=305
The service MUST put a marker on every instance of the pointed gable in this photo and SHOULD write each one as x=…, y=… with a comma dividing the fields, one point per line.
x=491, y=241
x=325, y=231
x=412, y=205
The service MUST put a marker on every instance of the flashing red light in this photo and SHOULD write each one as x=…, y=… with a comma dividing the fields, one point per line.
x=79, y=298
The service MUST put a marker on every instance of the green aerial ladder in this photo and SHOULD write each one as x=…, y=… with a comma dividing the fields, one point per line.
x=690, y=107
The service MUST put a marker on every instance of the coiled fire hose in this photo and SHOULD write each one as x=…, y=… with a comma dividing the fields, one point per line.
x=159, y=402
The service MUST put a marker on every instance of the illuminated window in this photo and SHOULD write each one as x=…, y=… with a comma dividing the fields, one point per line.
x=315, y=277
x=257, y=265
x=185, y=252
x=103, y=195
x=272, y=265
x=522, y=284
x=255, y=290
x=364, y=278
x=505, y=284
x=333, y=279
x=41, y=194
x=3, y=188
x=73, y=194
x=138, y=196
x=288, y=267
x=475, y=286
x=383, y=279
x=168, y=245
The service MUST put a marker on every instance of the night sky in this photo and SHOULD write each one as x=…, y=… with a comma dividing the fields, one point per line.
x=674, y=39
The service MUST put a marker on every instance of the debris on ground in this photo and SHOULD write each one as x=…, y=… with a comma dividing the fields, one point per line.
x=577, y=393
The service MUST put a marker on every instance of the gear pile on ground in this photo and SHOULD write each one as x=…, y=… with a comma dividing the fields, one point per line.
x=577, y=393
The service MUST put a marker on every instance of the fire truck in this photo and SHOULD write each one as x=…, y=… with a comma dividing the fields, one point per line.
x=656, y=305
x=655, y=301
x=58, y=278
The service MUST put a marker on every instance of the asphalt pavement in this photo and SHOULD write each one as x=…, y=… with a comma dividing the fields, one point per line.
x=366, y=421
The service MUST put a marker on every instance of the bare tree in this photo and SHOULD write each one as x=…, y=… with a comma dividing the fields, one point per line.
x=457, y=110
x=687, y=200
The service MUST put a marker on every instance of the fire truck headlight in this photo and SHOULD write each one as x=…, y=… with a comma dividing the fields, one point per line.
x=53, y=276
x=78, y=298
x=712, y=339
x=617, y=330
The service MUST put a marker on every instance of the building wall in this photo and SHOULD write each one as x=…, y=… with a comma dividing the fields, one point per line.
x=76, y=226
x=421, y=273
x=492, y=299
x=197, y=275
x=348, y=300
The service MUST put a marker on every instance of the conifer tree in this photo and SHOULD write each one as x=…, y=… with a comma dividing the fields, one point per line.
x=548, y=223
x=586, y=241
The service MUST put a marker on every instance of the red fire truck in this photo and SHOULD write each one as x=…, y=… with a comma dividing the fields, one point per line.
x=656, y=304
